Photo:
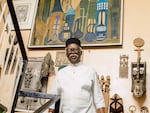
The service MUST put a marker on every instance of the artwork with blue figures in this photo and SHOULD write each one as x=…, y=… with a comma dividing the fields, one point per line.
x=94, y=22
x=115, y=17
x=101, y=19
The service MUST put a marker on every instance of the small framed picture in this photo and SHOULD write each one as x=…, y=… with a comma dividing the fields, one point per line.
x=61, y=59
x=25, y=12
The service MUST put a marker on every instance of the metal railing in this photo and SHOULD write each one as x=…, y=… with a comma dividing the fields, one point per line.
x=14, y=60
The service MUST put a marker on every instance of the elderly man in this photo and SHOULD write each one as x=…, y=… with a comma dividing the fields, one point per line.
x=77, y=84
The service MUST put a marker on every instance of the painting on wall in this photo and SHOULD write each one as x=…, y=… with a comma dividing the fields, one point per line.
x=61, y=59
x=94, y=22
x=25, y=10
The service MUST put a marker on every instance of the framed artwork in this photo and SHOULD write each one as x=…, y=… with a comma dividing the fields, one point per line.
x=61, y=59
x=33, y=81
x=25, y=12
x=94, y=22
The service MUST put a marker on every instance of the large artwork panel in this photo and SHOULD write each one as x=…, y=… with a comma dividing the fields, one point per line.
x=94, y=22
x=33, y=81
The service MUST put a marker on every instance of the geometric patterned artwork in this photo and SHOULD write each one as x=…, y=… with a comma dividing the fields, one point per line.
x=116, y=104
x=94, y=22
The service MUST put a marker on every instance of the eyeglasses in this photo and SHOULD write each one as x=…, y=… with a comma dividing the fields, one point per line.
x=76, y=50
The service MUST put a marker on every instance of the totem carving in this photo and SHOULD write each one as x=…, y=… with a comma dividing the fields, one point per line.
x=138, y=71
x=105, y=87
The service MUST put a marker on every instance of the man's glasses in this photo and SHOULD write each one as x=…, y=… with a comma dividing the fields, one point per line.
x=76, y=50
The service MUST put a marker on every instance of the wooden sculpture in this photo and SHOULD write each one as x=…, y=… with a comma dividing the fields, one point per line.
x=138, y=71
x=104, y=84
x=47, y=66
x=116, y=104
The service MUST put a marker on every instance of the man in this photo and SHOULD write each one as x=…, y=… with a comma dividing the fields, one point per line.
x=77, y=84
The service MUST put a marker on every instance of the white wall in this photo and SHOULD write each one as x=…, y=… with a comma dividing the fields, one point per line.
x=106, y=60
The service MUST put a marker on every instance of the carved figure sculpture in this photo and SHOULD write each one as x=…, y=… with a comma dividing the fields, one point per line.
x=104, y=84
x=138, y=71
x=46, y=70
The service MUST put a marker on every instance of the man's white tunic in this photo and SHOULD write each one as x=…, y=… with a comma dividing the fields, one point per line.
x=79, y=89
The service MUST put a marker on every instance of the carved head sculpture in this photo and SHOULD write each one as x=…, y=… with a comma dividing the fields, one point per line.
x=47, y=66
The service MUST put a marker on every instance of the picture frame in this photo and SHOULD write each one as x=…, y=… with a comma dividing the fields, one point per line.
x=25, y=12
x=62, y=60
x=33, y=81
x=95, y=23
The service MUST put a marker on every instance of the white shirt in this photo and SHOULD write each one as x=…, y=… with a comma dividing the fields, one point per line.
x=79, y=89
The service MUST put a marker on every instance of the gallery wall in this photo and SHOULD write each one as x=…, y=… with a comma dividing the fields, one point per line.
x=105, y=60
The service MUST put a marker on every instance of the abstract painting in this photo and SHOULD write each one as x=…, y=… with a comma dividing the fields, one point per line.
x=94, y=22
